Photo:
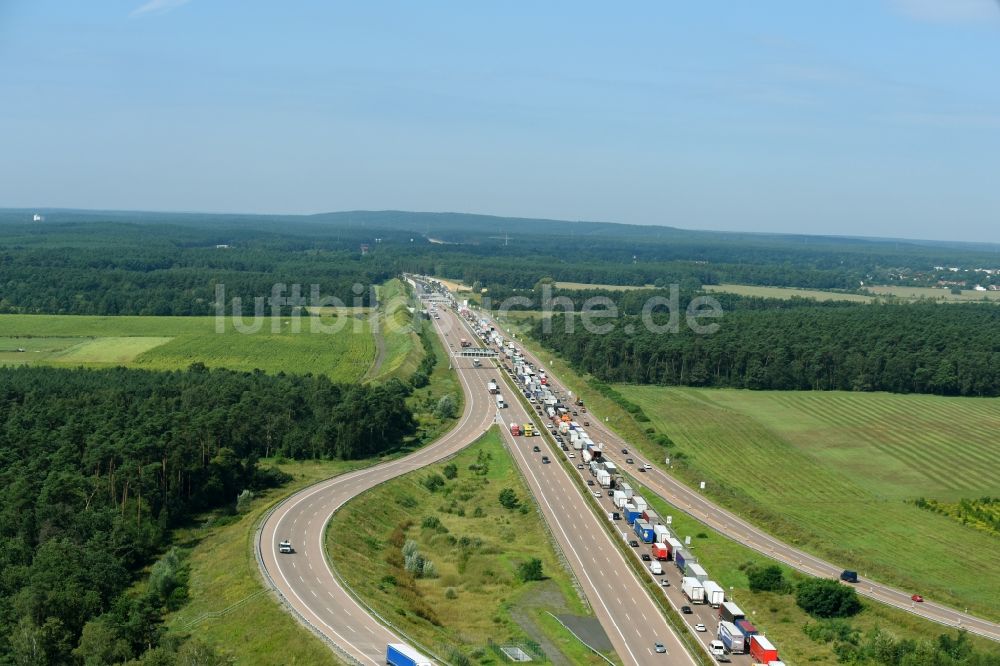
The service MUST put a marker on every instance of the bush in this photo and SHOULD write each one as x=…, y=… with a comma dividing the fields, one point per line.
x=508, y=499
x=244, y=500
x=822, y=597
x=531, y=570
x=450, y=471
x=767, y=579
x=446, y=408
x=432, y=482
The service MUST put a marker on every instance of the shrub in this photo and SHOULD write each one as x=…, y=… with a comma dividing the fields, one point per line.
x=531, y=570
x=767, y=579
x=244, y=500
x=446, y=408
x=432, y=482
x=508, y=499
x=822, y=597
x=450, y=471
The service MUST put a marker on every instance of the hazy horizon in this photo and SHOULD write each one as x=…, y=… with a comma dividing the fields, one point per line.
x=862, y=118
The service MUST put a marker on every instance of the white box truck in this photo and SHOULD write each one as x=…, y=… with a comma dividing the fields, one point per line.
x=693, y=590
x=714, y=594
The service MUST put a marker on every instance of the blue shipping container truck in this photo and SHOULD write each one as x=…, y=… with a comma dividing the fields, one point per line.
x=731, y=637
x=679, y=559
x=644, y=531
x=631, y=515
x=397, y=654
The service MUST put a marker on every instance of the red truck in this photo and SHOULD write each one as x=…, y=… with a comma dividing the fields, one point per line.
x=762, y=650
x=466, y=343
x=515, y=429
x=661, y=552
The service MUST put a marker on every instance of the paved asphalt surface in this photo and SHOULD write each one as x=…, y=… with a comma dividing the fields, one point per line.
x=698, y=506
x=629, y=617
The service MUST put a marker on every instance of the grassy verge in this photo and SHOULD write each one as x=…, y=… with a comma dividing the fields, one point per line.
x=224, y=572
x=402, y=348
x=476, y=545
x=777, y=615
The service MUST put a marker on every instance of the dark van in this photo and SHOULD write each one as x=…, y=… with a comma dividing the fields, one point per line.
x=849, y=576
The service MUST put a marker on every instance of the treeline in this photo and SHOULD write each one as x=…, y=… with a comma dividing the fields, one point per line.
x=919, y=348
x=96, y=466
x=146, y=264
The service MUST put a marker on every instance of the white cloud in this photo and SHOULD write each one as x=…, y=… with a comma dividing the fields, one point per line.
x=158, y=7
x=949, y=11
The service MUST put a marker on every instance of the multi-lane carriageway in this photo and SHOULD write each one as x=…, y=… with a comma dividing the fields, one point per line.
x=698, y=506
x=318, y=597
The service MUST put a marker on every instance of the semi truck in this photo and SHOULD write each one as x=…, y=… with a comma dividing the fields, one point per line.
x=397, y=654
x=762, y=650
x=603, y=478
x=493, y=387
x=714, y=594
x=529, y=430
x=644, y=531
x=695, y=570
x=693, y=590
x=661, y=551
x=730, y=612
x=731, y=637
x=465, y=343
x=500, y=403
x=515, y=429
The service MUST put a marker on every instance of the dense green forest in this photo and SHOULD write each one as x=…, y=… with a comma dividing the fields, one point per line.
x=920, y=348
x=96, y=467
x=169, y=264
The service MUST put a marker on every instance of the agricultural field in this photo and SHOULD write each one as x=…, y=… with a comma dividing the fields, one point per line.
x=606, y=287
x=785, y=292
x=168, y=343
x=474, y=592
x=933, y=293
x=838, y=473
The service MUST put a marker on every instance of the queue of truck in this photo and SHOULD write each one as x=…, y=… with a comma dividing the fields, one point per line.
x=734, y=633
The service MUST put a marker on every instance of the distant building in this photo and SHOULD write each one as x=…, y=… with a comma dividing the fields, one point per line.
x=37, y=218
x=222, y=247
x=364, y=249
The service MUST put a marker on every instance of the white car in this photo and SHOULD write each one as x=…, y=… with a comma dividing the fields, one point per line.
x=700, y=627
x=285, y=547
x=647, y=466
x=572, y=455
x=597, y=493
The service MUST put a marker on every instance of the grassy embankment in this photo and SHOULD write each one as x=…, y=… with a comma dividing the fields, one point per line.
x=224, y=572
x=396, y=333
x=169, y=343
x=476, y=545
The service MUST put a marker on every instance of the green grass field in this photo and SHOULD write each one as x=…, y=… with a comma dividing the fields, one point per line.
x=476, y=550
x=785, y=292
x=836, y=473
x=167, y=343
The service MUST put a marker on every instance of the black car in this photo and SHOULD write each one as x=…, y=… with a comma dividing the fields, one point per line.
x=545, y=459
x=536, y=449
x=590, y=482
x=579, y=466
x=633, y=543
x=630, y=461
x=642, y=469
x=686, y=610
x=624, y=452
x=646, y=557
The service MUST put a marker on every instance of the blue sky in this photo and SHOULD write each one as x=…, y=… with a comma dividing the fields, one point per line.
x=873, y=117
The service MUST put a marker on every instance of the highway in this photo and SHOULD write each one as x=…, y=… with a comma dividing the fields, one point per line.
x=698, y=506
x=307, y=586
